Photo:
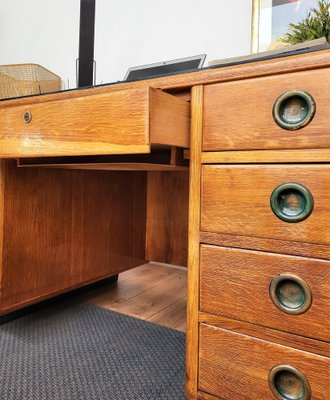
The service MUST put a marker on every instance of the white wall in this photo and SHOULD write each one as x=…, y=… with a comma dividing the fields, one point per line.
x=130, y=32
x=127, y=33
x=44, y=32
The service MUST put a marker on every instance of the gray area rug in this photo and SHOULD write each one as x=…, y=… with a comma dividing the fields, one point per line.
x=79, y=351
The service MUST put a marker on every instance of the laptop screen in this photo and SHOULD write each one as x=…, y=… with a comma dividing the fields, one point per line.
x=170, y=67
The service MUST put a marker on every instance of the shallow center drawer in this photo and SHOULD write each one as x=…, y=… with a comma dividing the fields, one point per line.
x=119, y=122
x=288, y=293
x=286, y=202
x=235, y=367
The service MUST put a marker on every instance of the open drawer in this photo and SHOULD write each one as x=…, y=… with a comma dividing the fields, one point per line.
x=125, y=121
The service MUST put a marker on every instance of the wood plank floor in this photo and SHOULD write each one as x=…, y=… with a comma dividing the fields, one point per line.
x=151, y=292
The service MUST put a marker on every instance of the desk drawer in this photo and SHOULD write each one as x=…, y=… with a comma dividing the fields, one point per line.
x=252, y=200
x=239, y=115
x=118, y=122
x=235, y=367
x=288, y=293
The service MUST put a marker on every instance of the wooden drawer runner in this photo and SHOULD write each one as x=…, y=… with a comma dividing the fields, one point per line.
x=235, y=367
x=118, y=122
x=239, y=115
x=236, y=200
x=237, y=284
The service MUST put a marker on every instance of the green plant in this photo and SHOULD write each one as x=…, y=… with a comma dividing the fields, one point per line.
x=315, y=25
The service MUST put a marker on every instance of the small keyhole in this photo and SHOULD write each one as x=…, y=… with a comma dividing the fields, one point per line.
x=27, y=117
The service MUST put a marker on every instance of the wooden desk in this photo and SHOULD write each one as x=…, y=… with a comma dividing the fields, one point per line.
x=94, y=182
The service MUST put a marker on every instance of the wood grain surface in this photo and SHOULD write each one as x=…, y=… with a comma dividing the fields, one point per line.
x=206, y=396
x=124, y=166
x=2, y=210
x=122, y=122
x=236, y=200
x=155, y=299
x=269, y=334
x=141, y=292
x=238, y=115
x=235, y=284
x=169, y=119
x=71, y=223
x=193, y=243
x=167, y=217
x=63, y=229
x=269, y=245
x=179, y=83
x=159, y=159
x=236, y=366
x=100, y=124
x=266, y=156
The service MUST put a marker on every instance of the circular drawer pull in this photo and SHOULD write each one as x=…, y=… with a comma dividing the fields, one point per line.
x=287, y=383
x=290, y=294
x=294, y=110
x=291, y=202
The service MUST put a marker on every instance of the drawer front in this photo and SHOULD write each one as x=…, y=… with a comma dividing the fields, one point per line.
x=118, y=122
x=239, y=115
x=207, y=396
x=288, y=293
x=235, y=367
x=257, y=201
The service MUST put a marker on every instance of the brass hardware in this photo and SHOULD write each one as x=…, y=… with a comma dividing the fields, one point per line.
x=290, y=294
x=291, y=202
x=27, y=117
x=287, y=383
x=294, y=110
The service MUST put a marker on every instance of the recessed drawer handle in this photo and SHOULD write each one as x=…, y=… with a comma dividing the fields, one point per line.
x=294, y=110
x=290, y=294
x=287, y=383
x=291, y=202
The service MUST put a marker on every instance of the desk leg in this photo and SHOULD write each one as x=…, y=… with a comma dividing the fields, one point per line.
x=61, y=229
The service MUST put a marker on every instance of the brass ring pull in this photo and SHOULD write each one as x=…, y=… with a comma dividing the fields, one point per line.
x=287, y=383
x=290, y=294
x=291, y=202
x=294, y=110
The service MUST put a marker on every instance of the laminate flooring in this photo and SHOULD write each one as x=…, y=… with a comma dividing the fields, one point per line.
x=151, y=292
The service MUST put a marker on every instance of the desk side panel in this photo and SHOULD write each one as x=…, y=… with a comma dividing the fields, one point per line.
x=64, y=229
x=167, y=217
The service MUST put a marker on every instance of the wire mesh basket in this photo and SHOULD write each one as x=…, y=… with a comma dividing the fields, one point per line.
x=18, y=80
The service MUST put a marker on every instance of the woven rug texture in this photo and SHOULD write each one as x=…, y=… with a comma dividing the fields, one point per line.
x=80, y=351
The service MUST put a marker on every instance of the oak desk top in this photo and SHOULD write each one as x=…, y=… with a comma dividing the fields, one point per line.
x=183, y=82
x=124, y=118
